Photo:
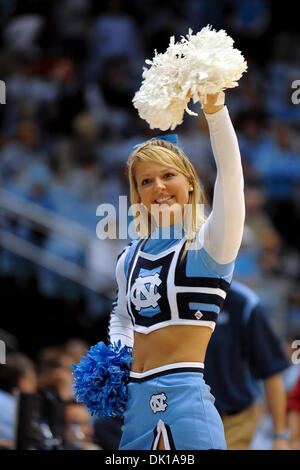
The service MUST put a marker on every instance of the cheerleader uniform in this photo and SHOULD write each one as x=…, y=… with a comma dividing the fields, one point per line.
x=158, y=288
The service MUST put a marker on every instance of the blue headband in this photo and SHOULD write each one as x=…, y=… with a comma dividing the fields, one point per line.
x=173, y=138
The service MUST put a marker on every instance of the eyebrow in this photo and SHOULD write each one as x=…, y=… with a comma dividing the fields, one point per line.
x=162, y=171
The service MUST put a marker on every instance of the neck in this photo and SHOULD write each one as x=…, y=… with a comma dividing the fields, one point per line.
x=167, y=232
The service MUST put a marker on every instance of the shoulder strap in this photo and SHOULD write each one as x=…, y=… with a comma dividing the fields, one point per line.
x=131, y=255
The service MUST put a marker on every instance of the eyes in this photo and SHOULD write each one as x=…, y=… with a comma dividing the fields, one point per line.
x=165, y=176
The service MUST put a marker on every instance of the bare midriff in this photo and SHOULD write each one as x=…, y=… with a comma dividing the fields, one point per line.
x=168, y=345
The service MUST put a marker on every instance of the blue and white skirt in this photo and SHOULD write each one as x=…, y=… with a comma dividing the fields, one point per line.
x=175, y=402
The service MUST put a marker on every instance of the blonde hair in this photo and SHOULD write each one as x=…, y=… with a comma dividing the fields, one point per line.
x=164, y=152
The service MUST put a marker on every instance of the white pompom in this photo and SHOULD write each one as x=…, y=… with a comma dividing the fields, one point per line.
x=198, y=65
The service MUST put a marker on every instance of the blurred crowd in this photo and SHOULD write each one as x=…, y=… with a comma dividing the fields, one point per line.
x=71, y=69
x=38, y=410
x=37, y=406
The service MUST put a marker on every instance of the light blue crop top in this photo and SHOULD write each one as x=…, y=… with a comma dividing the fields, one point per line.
x=162, y=289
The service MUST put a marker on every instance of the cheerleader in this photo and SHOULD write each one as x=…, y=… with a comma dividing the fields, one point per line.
x=169, y=295
x=172, y=280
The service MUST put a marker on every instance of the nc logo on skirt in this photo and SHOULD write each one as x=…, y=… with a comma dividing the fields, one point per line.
x=157, y=402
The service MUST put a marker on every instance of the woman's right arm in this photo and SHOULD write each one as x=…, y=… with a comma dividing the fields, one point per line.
x=120, y=324
x=223, y=230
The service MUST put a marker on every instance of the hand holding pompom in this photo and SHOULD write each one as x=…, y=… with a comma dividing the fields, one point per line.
x=100, y=379
x=199, y=65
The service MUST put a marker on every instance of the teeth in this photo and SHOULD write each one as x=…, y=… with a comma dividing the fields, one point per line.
x=164, y=200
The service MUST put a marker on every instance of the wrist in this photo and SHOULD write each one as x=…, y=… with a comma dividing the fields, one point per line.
x=212, y=109
x=213, y=103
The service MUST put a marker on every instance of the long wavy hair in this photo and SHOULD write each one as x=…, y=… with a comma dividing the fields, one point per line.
x=164, y=152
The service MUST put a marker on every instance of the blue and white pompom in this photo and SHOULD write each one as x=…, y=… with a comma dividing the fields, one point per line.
x=101, y=377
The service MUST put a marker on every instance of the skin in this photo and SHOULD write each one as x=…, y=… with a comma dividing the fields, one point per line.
x=166, y=345
x=276, y=400
x=157, y=183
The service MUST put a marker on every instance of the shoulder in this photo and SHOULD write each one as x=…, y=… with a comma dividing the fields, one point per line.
x=129, y=247
x=126, y=254
x=198, y=253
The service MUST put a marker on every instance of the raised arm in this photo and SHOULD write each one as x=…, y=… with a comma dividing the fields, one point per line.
x=120, y=324
x=223, y=230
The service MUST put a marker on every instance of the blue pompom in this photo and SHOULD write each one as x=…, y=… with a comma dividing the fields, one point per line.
x=101, y=377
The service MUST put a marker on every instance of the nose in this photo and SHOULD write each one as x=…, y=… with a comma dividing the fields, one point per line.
x=159, y=183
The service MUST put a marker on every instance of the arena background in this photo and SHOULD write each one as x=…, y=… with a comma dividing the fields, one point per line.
x=70, y=70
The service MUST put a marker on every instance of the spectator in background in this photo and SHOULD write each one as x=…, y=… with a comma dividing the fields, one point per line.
x=21, y=34
x=55, y=373
x=37, y=191
x=263, y=438
x=39, y=182
x=117, y=84
x=114, y=34
x=65, y=73
x=54, y=387
x=252, y=134
x=242, y=351
x=249, y=20
x=264, y=255
x=17, y=375
x=279, y=169
x=18, y=155
x=79, y=429
x=29, y=92
x=72, y=21
x=108, y=432
x=86, y=174
x=293, y=409
x=76, y=347
x=199, y=13
x=262, y=241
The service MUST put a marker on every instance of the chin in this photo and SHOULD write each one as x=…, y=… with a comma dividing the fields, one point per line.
x=168, y=215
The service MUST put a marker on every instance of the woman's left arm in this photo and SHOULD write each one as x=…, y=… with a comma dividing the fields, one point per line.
x=223, y=230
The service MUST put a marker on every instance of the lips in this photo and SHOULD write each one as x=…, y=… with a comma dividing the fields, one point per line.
x=164, y=200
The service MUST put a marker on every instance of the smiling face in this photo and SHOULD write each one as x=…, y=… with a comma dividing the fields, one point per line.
x=164, y=180
x=163, y=190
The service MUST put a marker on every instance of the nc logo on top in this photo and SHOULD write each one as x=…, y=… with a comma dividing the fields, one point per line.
x=144, y=292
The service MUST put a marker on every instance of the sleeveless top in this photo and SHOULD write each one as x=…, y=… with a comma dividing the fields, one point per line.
x=163, y=288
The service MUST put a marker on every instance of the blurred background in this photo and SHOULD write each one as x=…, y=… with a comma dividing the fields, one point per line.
x=68, y=125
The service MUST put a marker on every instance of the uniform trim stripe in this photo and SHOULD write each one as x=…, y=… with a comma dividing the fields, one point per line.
x=171, y=441
x=165, y=370
x=208, y=282
x=202, y=290
x=141, y=329
x=181, y=279
x=163, y=429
